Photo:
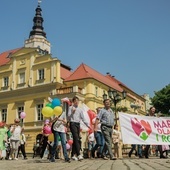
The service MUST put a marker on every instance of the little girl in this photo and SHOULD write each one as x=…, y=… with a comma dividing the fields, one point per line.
x=91, y=143
x=46, y=131
x=116, y=140
x=46, y=128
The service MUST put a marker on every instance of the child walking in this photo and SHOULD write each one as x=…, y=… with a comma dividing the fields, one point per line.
x=91, y=143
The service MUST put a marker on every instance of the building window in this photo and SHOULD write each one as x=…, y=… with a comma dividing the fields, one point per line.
x=20, y=109
x=96, y=91
x=39, y=112
x=41, y=74
x=6, y=81
x=4, y=115
x=22, y=78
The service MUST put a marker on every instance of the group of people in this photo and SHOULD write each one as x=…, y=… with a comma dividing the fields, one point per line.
x=101, y=136
x=145, y=152
x=106, y=136
x=12, y=141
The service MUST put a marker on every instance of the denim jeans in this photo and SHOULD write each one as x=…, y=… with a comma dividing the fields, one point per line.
x=99, y=141
x=139, y=150
x=63, y=143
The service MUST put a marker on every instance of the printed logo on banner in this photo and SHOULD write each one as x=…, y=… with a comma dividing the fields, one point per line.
x=141, y=127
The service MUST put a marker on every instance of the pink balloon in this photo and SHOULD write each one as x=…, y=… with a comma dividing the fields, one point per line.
x=70, y=141
x=22, y=115
x=47, y=130
x=67, y=146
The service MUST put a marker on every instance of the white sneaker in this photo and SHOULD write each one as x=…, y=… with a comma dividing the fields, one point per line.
x=75, y=158
x=80, y=157
x=10, y=158
x=16, y=159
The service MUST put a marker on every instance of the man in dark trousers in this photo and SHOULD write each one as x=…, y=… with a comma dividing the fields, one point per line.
x=106, y=117
x=75, y=115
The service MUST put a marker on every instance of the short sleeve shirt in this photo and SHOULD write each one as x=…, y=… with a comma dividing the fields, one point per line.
x=106, y=117
x=58, y=125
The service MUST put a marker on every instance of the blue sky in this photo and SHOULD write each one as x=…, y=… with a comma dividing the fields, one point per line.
x=128, y=38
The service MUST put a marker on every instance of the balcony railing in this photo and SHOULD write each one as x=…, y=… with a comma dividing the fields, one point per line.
x=66, y=90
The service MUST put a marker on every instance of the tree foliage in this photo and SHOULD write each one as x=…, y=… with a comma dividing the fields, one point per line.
x=161, y=100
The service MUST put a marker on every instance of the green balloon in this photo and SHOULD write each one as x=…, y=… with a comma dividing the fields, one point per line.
x=49, y=105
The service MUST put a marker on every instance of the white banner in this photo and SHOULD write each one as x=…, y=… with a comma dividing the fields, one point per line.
x=137, y=129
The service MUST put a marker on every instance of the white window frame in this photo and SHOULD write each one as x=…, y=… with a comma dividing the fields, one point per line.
x=6, y=82
x=96, y=91
x=39, y=114
x=19, y=110
x=4, y=114
x=41, y=74
x=21, y=78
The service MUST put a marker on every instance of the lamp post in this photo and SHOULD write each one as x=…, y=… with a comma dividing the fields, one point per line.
x=135, y=107
x=116, y=98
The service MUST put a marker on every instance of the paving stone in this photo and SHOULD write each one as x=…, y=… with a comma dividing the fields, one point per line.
x=87, y=164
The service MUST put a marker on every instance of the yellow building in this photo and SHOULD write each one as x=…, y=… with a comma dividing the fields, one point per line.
x=30, y=75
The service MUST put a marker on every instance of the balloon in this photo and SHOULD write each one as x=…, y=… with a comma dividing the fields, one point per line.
x=47, y=130
x=55, y=102
x=67, y=146
x=49, y=105
x=58, y=110
x=47, y=111
x=70, y=141
x=22, y=115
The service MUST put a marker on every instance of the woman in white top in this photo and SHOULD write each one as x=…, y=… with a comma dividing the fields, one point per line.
x=59, y=131
x=15, y=139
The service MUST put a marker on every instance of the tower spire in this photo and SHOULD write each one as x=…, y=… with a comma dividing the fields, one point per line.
x=39, y=1
x=38, y=20
x=37, y=36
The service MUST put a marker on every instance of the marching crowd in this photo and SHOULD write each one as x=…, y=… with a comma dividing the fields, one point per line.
x=12, y=141
x=103, y=136
x=100, y=137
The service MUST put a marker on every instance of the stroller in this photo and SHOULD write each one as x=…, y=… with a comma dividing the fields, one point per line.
x=8, y=149
x=37, y=148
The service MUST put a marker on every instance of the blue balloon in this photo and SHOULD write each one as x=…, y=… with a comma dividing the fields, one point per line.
x=56, y=102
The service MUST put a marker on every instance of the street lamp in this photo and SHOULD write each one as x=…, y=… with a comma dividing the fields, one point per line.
x=135, y=107
x=116, y=98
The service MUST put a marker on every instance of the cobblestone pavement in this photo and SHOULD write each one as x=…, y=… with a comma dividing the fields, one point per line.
x=87, y=164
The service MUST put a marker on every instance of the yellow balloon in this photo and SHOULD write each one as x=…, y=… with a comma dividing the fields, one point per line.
x=47, y=111
x=58, y=110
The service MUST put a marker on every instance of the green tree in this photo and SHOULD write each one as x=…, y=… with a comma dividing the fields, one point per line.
x=161, y=100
